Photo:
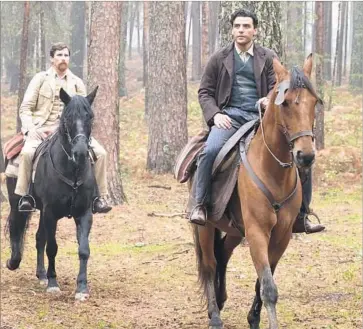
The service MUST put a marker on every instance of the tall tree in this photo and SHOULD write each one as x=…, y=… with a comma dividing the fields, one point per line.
x=213, y=24
x=145, y=50
x=132, y=14
x=122, y=89
x=167, y=85
x=77, y=37
x=103, y=57
x=340, y=43
x=328, y=19
x=356, y=68
x=319, y=36
x=23, y=57
x=205, y=33
x=196, y=47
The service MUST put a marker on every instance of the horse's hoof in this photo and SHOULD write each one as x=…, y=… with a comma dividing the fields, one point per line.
x=12, y=267
x=215, y=323
x=53, y=290
x=43, y=282
x=81, y=296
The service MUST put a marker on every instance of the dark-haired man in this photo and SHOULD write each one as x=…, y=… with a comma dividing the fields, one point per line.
x=236, y=79
x=40, y=112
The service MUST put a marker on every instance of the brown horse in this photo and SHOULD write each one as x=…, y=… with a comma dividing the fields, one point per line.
x=284, y=142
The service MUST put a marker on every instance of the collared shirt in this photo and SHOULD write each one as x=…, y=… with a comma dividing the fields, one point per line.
x=58, y=104
x=245, y=55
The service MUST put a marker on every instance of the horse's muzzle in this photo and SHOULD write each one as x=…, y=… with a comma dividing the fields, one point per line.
x=304, y=160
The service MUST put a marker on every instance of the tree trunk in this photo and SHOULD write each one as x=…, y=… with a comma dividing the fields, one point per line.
x=213, y=24
x=205, y=32
x=346, y=18
x=122, y=89
x=146, y=56
x=328, y=16
x=356, y=67
x=103, y=57
x=23, y=57
x=319, y=36
x=189, y=30
x=132, y=6
x=196, y=47
x=42, y=42
x=167, y=86
x=340, y=43
x=77, y=37
x=138, y=27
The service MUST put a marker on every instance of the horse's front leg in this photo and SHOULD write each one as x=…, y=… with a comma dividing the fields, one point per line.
x=50, y=222
x=207, y=273
x=40, y=245
x=84, y=224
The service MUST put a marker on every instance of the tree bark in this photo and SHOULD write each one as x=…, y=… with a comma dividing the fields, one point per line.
x=328, y=14
x=167, y=86
x=196, y=47
x=77, y=37
x=23, y=57
x=122, y=90
x=319, y=36
x=146, y=56
x=132, y=13
x=103, y=57
x=205, y=32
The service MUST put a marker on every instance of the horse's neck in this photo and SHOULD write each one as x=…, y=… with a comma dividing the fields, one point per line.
x=277, y=143
x=60, y=158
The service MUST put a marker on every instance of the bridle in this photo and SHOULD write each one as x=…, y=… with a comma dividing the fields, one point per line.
x=281, y=89
x=72, y=141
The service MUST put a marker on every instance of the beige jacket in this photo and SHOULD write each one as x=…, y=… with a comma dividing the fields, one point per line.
x=39, y=98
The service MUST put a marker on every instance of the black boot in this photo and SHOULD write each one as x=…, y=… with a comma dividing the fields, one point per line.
x=26, y=204
x=199, y=215
x=304, y=225
x=100, y=206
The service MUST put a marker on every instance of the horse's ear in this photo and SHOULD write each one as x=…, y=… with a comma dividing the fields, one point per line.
x=278, y=68
x=308, y=65
x=92, y=95
x=65, y=98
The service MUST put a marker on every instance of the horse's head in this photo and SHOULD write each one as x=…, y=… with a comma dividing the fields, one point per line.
x=296, y=99
x=76, y=124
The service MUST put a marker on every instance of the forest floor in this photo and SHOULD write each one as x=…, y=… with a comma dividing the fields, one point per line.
x=142, y=272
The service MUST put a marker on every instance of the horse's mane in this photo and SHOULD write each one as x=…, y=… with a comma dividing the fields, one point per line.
x=300, y=80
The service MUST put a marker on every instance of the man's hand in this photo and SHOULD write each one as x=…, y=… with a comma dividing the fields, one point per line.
x=264, y=102
x=36, y=134
x=222, y=121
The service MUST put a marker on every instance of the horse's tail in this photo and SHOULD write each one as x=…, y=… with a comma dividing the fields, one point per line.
x=16, y=226
x=205, y=274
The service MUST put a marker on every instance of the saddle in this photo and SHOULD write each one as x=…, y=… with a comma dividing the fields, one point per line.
x=224, y=172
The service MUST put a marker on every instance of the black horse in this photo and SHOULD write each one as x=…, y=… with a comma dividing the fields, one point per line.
x=64, y=185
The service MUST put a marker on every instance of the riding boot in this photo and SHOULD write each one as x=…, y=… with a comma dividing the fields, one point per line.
x=26, y=204
x=100, y=206
x=302, y=223
x=199, y=215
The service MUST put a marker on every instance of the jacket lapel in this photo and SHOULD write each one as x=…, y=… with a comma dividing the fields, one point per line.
x=259, y=61
x=228, y=61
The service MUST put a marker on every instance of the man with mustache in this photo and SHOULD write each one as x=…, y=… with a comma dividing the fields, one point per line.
x=40, y=113
x=236, y=79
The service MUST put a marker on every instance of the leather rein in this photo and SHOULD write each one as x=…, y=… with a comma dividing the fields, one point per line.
x=277, y=205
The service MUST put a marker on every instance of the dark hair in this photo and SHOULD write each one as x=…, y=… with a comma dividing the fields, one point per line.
x=58, y=46
x=244, y=13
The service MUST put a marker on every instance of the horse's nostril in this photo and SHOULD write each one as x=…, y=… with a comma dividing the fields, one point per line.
x=305, y=159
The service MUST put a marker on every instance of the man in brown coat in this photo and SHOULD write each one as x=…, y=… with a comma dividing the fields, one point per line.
x=40, y=112
x=236, y=79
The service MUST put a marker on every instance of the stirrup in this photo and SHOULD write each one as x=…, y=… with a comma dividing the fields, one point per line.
x=312, y=213
x=34, y=203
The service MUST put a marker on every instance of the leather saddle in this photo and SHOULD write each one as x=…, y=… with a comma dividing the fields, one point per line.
x=224, y=172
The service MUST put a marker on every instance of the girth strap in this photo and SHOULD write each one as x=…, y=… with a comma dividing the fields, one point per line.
x=275, y=205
